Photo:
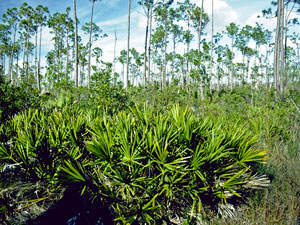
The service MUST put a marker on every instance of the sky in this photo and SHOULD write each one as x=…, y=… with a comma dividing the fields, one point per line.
x=111, y=16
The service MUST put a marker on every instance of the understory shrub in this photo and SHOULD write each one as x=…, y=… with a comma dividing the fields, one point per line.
x=39, y=141
x=153, y=167
x=14, y=99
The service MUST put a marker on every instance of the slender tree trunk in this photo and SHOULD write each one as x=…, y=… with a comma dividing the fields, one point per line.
x=298, y=54
x=90, y=44
x=259, y=68
x=212, y=45
x=12, y=56
x=23, y=64
x=164, y=75
x=39, y=61
x=67, y=55
x=248, y=72
x=76, y=43
x=231, y=66
x=266, y=68
x=2, y=65
x=80, y=74
x=27, y=55
x=60, y=66
x=183, y=77
x=218, y=78
x=256, y=65
x=161, y=74
x=282, y=50
x=188, y=60
x=128, y=47
x=114, y=62
x=36, y=61
x=146, y=43
x=199, y=50
x=17, y=69
x=173, y=59
x=268, y=79
x=149, y=43
x=277, y=52
x=200, y=28
x=10, y=67
x=123, y=72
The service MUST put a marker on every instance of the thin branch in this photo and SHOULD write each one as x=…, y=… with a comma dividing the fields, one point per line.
x=295, y=105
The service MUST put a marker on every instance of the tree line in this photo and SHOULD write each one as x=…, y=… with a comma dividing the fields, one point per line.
x=212, y=65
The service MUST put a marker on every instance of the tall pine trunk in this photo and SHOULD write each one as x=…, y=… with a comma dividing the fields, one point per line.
x=231, y=66
x=212, y=45
x=199, y=50
x=90, y=44
x=76, y=44
x=39, y=61
x=164, y=72
x=149, y=43
x=278, y=46
x=36, y=60
x=23, y=64
x=146, y=45
x=114, y=62
x=12, y=56
x=128, y=47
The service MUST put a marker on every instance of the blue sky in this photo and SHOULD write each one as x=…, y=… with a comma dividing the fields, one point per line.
x=109, y=9
x=111, y=15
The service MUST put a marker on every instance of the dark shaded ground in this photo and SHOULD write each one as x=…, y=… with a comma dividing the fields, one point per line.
x=64, y=206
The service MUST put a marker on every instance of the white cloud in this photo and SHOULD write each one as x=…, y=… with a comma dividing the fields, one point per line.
x=223, y=13
x=47, y=43
x=269, y=24
x=113, y=22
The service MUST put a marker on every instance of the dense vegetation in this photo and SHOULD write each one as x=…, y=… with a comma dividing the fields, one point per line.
x=208, y=136
x=164, y=161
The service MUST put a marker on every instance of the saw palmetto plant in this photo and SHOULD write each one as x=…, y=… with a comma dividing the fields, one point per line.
x=149, y=166
x=153, y=167
x=42, y=140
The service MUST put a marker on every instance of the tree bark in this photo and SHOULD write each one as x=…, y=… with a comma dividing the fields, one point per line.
x=128, y=47
x=39, y=61
x=231, y=66
x=199, y=50
x=114, y=62
x=12, y=55
x=90, y=44
x=149, y=45
x=187, y=59
x=27, y=54
x=146, y=45
x=282, y=49
x=76, y=44
x=278, y=48
x=36, y=60
x=212, y=44
x=164, y=74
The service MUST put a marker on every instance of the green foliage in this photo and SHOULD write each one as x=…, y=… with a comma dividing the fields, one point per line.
x=14, y=99
x=159, y=99
x=106, y=96
x=158, y=163
x=59, y=99
x=42, y=140
x=153, y=167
